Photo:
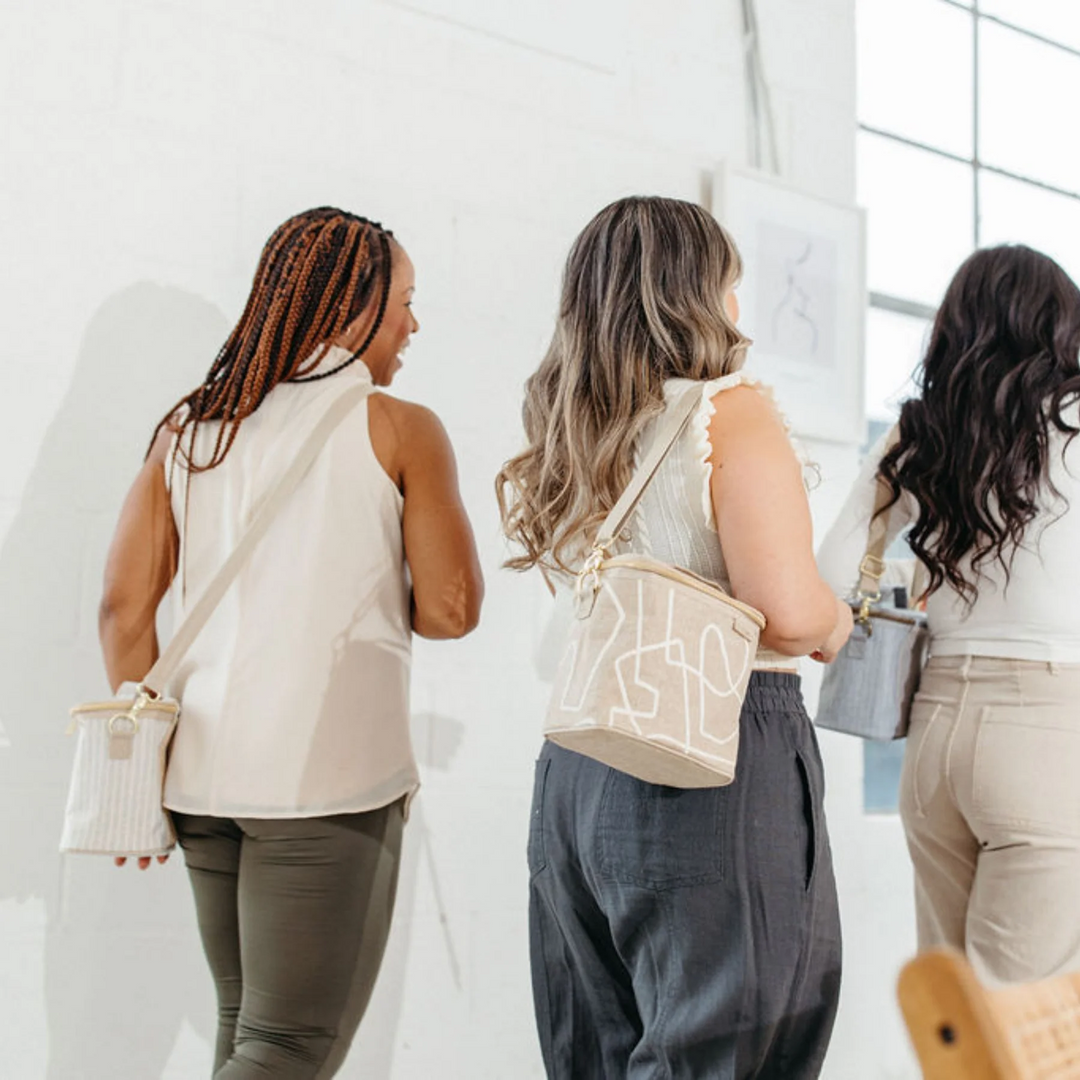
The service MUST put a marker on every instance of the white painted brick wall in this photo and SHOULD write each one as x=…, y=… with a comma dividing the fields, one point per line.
x=148, y=150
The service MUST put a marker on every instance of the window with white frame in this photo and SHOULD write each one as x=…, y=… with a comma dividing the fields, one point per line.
x=966, y=139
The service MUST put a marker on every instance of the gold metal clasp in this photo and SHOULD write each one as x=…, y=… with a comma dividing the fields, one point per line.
x=124, y=726
x=587, y=585
x=863, y=618
x=122, y=729
x=872, y=566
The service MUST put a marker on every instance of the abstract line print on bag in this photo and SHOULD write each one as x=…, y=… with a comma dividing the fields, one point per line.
x=715, y=676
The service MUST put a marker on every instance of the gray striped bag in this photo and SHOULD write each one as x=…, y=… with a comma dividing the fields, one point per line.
x=114, y=802
x=869, y=688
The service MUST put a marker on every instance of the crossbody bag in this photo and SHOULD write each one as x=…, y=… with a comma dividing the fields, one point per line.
x=658, y=659
x=114, y=804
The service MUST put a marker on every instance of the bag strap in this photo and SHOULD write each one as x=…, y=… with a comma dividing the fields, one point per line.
x=872, y=567
x=158, y=676
x=672, y=426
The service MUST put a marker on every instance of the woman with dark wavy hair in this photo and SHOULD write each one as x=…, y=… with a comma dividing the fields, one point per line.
x=986, y=473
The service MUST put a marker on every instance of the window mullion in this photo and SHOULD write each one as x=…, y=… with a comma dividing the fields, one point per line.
x=976, y=159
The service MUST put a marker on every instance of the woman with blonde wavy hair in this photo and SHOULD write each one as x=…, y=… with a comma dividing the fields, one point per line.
x=678, y=933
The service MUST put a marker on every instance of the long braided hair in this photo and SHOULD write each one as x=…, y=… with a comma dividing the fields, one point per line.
x=317, y=273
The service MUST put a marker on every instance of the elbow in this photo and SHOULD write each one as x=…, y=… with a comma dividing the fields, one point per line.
x=122, y=615
x=463, y=621
x=797, y=633
x=454, y=618
x=111, y=612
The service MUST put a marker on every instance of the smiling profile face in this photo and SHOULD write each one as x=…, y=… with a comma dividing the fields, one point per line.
x=384, y=356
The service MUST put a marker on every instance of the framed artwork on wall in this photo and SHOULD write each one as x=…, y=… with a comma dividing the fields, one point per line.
x=802, y=299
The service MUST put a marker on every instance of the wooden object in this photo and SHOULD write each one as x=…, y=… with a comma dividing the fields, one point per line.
x=963, y=1031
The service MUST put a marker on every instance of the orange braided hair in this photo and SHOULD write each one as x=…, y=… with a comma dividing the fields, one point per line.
x=317, y=273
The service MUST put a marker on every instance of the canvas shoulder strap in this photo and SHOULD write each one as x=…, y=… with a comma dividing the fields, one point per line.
x=672, y=425
x=159, y=675
x=872, y=567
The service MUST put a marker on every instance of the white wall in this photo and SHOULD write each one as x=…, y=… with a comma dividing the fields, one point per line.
x=148, y=150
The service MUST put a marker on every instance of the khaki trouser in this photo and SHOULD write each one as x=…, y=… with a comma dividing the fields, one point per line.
x=990, y=800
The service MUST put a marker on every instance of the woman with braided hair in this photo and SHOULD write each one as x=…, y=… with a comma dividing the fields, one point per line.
x=291, y=770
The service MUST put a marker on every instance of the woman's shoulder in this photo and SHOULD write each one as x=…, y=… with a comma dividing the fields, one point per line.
x=406, y=417
x=736, y=390
x=405, y=432
x=708, y=388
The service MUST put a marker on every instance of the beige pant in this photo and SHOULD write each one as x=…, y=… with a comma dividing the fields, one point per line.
x=990, y=800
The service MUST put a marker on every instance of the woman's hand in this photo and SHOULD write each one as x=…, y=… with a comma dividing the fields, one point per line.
x=845, y=623
x=144, y=860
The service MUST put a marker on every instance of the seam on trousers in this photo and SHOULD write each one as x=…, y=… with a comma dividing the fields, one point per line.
x=798, y=983
x=664, y=1067
x=961, y=706
x=547, y=1038
x=915, y=788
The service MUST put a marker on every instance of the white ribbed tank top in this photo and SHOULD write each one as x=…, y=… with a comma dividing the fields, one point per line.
x=674, y=521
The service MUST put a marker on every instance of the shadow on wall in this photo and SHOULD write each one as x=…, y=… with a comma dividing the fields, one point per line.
x=123, y=967
x=124, y=970
x=436, y=740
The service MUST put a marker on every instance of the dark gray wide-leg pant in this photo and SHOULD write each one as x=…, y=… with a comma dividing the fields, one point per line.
x=686, y=934
x=294, y=915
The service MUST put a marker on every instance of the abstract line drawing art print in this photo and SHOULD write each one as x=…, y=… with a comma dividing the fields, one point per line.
x=803, y=299
x=796, y=314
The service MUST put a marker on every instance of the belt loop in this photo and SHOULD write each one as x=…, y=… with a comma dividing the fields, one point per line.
x=1052, y=665
x=965, y=667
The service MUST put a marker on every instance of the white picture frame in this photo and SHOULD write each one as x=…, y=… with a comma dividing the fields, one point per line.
x=802, y=299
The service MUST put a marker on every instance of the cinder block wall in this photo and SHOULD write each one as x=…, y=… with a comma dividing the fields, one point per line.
x=149, y=149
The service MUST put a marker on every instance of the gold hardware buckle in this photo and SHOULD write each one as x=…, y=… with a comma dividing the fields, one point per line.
x=587, y=586
x=872, y=566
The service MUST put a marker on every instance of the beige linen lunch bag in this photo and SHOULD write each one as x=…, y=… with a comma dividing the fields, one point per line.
x=658, y=659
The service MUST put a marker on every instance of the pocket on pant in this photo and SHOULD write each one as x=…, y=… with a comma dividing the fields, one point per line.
x=811, y=818
x=537, y=854
x=921, y=771
x=1025, y=771
x=660, y=837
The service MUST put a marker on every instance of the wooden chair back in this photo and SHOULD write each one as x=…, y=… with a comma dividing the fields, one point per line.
x=963, y=1031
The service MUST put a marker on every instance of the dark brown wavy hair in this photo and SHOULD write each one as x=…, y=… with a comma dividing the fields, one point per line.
x=1000, y=370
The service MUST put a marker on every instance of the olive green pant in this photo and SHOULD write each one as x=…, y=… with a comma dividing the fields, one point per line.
x=294, y=915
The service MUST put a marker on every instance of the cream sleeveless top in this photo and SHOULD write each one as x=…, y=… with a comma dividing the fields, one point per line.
x=1030, y=615
x=295, y=697
x=674, y=521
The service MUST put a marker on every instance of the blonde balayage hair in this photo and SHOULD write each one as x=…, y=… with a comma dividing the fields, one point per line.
x=642, y=301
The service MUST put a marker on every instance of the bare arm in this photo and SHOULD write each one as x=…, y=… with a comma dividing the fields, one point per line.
x=448, y=587
x=139, y=568
x=842, y=550
x=763, y=518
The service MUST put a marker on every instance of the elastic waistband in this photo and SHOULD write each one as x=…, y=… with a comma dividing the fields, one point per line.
x=774, y=690
x=779, y=680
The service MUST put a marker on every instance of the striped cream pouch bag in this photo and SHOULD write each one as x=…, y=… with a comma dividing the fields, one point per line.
x=114, y=801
